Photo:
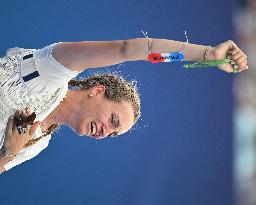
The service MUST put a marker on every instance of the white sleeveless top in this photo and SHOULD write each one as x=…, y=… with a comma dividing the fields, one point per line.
x=31, y=78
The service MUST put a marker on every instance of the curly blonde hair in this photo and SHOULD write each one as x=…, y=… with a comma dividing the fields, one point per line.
x=117, y=90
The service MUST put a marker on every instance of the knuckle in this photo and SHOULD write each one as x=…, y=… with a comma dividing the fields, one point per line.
x=239, y=61
x=242, y=65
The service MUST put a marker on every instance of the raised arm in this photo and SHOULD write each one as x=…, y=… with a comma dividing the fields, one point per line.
x=79, y=56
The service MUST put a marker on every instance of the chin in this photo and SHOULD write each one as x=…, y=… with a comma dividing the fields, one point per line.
x=79, y=131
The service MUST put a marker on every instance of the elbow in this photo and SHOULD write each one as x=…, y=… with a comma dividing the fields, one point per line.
x=124, y=49
x=135, y=49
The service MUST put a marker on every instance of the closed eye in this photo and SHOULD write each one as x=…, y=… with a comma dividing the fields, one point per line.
x=115, y=121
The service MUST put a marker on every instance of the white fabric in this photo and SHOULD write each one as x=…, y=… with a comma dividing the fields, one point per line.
x=43, y=93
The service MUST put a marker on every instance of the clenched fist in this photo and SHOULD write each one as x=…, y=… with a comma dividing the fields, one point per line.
x=229, y=50
x=15, y=141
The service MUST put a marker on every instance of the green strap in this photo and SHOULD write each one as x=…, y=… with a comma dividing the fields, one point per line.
x=209, y=63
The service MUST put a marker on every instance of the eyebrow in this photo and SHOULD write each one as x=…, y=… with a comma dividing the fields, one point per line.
x=115, y=122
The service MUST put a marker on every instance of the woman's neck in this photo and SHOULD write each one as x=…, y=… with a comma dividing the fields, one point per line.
x=50, y=119
x=62, y=114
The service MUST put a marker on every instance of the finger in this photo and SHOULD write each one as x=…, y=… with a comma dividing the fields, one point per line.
x=233, y=52
x=18, y=112
x=245, y=68
x=17, y=116
x=242, y=66
x=235, y=69
x=10, y=125
x=24, y=113
x=238, y=55
x=227, y=68
x=243, y=54
x=232, y=45
x=229, y=57
x=34, y=127
x=241, y=60
x=28, y=110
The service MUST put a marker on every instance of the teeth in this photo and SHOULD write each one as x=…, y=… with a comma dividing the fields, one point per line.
x=93, y=128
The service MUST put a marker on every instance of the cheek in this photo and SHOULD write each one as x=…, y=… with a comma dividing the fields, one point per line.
x=94, y=110
x=101, y=113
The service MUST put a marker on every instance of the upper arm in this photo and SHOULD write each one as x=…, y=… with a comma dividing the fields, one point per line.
x=78, y=56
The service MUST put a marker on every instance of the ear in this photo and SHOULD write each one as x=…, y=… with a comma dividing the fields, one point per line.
x=99, y=89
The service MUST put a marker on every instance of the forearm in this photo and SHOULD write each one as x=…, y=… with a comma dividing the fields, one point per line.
x=137, y=49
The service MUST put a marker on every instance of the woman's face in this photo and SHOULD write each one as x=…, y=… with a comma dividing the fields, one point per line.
x=101, y=117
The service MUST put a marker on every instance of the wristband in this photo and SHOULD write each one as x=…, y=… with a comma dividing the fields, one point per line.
x=6, y=153
x=165, y=57
x=206, y=53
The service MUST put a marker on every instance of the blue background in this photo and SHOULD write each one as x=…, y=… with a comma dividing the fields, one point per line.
x=180, y=152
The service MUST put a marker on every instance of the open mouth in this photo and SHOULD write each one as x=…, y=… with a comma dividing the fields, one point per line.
x=93, y=128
